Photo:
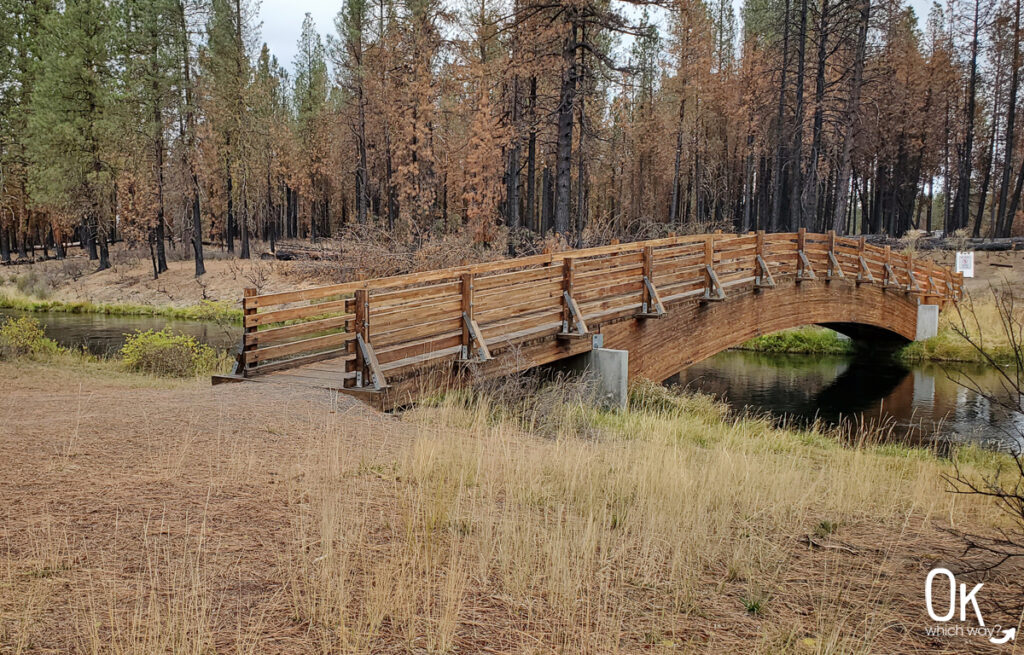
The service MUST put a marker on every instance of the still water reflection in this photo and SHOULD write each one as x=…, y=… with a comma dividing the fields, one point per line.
x=918, y=402
x=103, y=335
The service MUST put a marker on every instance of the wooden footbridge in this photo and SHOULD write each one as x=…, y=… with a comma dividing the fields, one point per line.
x=668, y=302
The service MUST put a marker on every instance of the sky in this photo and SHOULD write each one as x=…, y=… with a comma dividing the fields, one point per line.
x=282, y=21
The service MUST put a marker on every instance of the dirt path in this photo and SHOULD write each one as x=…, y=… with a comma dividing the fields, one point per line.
x=112, y=495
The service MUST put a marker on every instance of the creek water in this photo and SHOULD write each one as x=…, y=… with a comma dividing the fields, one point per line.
x=919, y=402
x=101, y=334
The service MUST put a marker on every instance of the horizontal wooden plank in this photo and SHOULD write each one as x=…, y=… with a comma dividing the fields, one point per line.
x=416, y=332
x=512, y=295
x=439, y=345
x=525, y=304
x=299, y=329
x=502, y=280
x=298, y=313
x=293, y=362
x=428, y=359
x=296, y=347
x=386, y=299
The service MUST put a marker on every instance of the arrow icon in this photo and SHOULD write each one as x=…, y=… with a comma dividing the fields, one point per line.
x=1008, y=635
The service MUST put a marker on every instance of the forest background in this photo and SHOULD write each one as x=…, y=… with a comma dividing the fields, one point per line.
x=507, y=121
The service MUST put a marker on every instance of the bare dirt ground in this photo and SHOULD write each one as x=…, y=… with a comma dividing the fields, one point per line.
x=126, y=505
x=141, y=516
x=130, y=278
x=989, y=268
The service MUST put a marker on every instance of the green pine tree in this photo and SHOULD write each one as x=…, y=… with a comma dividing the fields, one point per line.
x=72, y=125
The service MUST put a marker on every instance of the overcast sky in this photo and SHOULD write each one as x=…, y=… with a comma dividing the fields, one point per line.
x=282, y=21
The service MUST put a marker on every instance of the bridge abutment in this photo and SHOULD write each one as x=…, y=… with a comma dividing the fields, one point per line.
x=927, y=322
x=608, y=371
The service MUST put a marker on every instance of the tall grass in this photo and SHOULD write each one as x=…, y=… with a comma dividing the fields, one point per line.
x=979, y=318
x=602, y=536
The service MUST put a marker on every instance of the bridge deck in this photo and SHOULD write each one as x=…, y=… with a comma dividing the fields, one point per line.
x=389, y=340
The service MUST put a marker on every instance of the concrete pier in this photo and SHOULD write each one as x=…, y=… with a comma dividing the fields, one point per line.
x=609, y=371
x=927, y=322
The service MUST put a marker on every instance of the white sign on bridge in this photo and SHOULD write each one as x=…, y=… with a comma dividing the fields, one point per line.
x=965, y=263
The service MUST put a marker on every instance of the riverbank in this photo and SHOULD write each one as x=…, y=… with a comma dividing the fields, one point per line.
x=254, y=517
x=207, y=310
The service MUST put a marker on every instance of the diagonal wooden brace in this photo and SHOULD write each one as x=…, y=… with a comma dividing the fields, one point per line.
x=713, y=291
x=377, y=379
x=652, y=307
x=864, y=275
x=576, y=315
x=483, y=353
x=763, y=279
x=834, y=269
x=913, y=285
x=804, y=272
x=891, y=279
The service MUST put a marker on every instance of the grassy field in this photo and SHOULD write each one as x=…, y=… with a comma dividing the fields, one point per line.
x=254, y=518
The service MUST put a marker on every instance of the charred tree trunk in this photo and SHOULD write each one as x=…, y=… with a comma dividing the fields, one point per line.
x=530, y=218
x=1002, y=227
x=566, y=115
x=780, y=140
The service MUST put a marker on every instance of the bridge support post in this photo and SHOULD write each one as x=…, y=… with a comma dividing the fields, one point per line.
x=608, y=371
x=927, y=322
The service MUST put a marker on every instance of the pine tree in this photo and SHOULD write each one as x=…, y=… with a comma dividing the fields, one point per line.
x=309, y=93
x=149, y=97
x=70, y=130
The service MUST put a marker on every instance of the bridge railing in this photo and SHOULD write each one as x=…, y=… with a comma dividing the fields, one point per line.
x=385, y=327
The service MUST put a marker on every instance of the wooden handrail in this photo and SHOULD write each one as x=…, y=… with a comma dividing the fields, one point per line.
x=385, y=326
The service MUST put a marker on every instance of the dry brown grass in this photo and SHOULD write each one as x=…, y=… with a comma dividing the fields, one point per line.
x=142, y=516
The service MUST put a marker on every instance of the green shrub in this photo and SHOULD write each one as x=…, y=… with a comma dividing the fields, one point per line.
x=24, y=337
x=168, y=354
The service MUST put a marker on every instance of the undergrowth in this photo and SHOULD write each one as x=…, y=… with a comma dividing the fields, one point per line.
x=24, y=337
x=168, y=354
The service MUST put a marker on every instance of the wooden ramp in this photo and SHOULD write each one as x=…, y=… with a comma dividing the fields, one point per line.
x=669, y=301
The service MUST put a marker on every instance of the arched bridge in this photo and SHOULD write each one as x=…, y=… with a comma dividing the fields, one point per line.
x=668, y=302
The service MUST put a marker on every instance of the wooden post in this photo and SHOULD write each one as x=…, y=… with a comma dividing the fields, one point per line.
x=709, y=260
x=568, y=282
x=648, y=261
x=248, y=309
x=362, y=328
x=467, y=314
x=888, y=267
x=712, y=289
x=801, y=239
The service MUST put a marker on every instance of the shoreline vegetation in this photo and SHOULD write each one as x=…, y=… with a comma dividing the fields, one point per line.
x=207, y=310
